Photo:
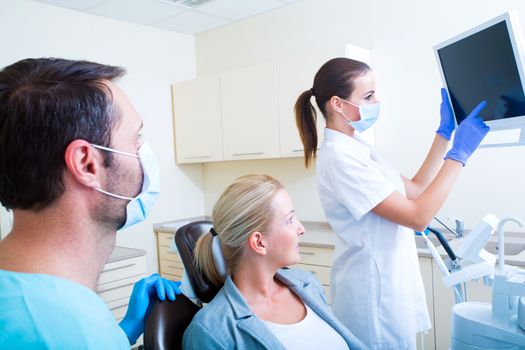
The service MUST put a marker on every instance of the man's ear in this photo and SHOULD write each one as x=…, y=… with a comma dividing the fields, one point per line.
x=257, y=243
x=82, y=162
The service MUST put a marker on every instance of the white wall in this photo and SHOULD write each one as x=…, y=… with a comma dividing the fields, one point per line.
x=299, y=182
x=401, y=36
x=493, y=180
x=294, y=30
x=154, y=60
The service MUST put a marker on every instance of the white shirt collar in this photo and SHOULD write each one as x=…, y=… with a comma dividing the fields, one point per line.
x=354, y=141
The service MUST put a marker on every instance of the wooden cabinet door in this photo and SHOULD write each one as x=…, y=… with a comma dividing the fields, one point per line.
x=197, y=120
x=249, y=113
x=295, y=75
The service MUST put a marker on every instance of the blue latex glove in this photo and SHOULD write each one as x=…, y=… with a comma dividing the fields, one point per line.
x=468, y=136
x=143, y=291
x=447, y=124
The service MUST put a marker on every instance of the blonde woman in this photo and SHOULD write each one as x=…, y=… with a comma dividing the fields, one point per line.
x=262, y=305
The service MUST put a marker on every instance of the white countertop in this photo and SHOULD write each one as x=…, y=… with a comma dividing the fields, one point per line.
x=121, y=253
x=317, y=234
x=320, y=234
x=174, y=225
x=515, y=239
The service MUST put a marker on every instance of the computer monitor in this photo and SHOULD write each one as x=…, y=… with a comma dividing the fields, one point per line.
x=486, y=63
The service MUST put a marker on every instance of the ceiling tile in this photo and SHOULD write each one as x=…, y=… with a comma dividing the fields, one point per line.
x=73, y=4
x=163, y=14
x=191, y=22
x=137, y=11
x=237, y=9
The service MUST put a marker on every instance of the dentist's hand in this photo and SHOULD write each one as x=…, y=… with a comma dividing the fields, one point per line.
x=143, y=291
x=469, y=135
x=447, y=124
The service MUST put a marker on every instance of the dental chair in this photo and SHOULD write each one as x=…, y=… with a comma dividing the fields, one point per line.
x=167, y=320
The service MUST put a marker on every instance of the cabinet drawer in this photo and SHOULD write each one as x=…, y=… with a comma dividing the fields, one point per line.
x=115, y=304
x=170, y=277
x=120, y=270
x=316, y=255
x=321, y=272
x=171, y=267
x=113, y=294
x=166, y=253
x=119, y=313
x=165, y=239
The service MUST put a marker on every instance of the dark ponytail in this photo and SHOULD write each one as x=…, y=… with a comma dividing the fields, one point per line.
x=334, y=78
x=306, y=120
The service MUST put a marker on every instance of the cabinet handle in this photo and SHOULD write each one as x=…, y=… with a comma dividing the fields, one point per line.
x=125, y=302
x=120, y=267
x=117, y=307
x=197, y=157
x=306, y=253
x=302, y=150
x=117, y=287
x=248, y=154
x=174, y=267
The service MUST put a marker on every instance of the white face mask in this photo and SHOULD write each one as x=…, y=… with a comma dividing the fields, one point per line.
x=369, y=114
x=139, y=207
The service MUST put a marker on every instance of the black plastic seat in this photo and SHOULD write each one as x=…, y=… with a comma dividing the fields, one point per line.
x=167, y=321
x=186, y=239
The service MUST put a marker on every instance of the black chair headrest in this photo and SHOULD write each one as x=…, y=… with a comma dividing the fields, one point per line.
x=185, y=239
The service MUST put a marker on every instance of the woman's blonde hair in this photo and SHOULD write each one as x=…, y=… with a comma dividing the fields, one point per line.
x=243, y=208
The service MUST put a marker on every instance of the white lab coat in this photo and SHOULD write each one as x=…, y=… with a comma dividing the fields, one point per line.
x=376, y=286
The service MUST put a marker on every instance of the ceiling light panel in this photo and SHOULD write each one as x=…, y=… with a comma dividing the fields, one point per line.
x=238, y=9
x=187, y=3
x=192, y=22
x=136, y=11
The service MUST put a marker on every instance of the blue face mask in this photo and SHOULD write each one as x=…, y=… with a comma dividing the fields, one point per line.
x=139, y=207
x=369, y=114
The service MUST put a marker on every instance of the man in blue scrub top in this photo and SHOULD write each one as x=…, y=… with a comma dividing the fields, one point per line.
x=73, y=169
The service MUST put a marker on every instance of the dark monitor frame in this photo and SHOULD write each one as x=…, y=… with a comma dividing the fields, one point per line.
x=511, y=23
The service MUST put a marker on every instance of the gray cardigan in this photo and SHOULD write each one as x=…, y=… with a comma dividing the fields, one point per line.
x=228, y=323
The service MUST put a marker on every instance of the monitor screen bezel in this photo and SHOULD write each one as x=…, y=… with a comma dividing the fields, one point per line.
x=514, y=30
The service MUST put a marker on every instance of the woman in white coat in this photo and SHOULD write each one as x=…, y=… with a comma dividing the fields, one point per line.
x=376, y=285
